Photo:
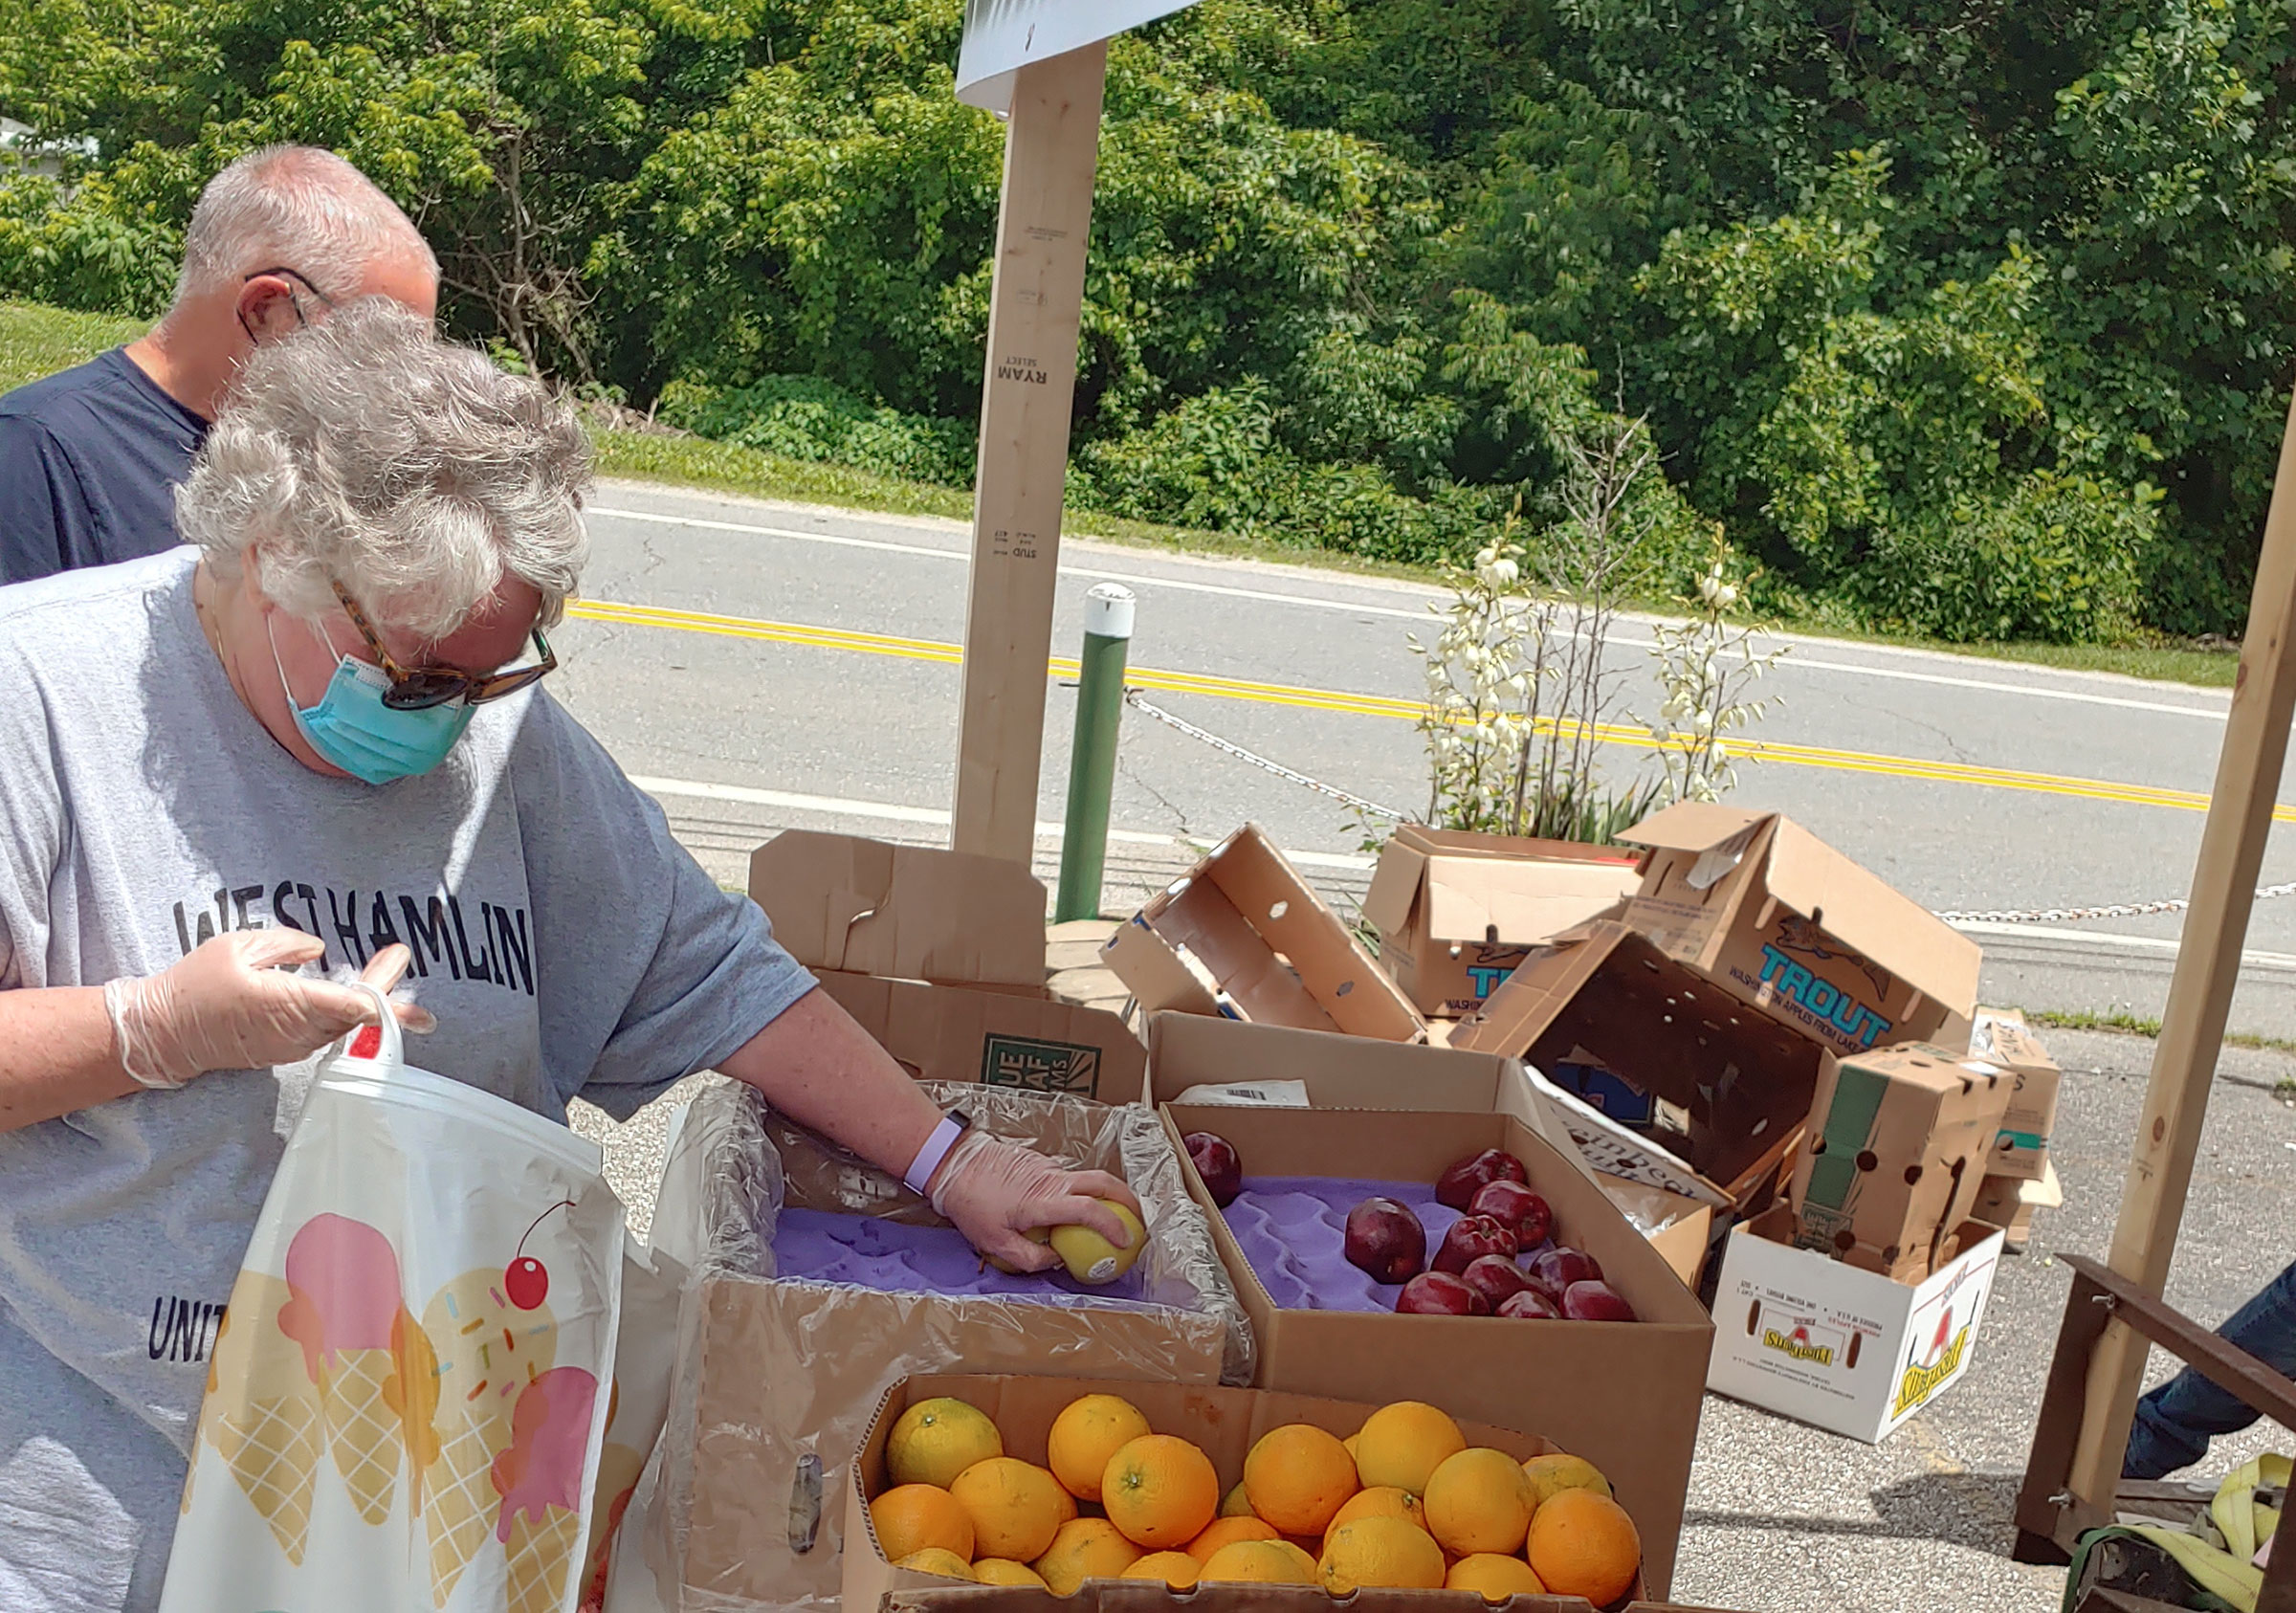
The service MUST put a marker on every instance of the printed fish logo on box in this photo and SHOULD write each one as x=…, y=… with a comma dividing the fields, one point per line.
x=1836, y=1013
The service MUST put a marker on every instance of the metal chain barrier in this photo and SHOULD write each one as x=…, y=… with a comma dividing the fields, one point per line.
x=1991, y=915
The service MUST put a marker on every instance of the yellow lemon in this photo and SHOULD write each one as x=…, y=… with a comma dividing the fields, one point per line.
x=1554, y=1473
x=935, y=1560
x=935, y=1440
x=1002, y=1571
x=1268, y=1562
x=1091, y=1258
x=1389, y=1552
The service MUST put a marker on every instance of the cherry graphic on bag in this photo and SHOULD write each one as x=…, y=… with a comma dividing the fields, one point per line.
x=526, y=1281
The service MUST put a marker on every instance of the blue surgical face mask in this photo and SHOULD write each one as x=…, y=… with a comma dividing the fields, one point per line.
x=354, y=730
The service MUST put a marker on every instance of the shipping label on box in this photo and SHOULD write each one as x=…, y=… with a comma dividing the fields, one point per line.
x=1899, y=1141
x=2003, y=1037
x=1847, y=1350
x=1798, y=929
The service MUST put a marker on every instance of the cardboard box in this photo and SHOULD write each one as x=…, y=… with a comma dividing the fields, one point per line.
x=1633, y=1387
x=1899, y=1139
x=1187, y=1050
x=778, y=1376
x=1680, y=1229
x=1273, y=952
x=1796, y=929
x=2009, y=1203
x=1225, y=1423
x=1457, y=912
x=2002, y=1037
x=1828, y=1344
x=1744, y=1081
x=941, y=956
x=1132, y=1595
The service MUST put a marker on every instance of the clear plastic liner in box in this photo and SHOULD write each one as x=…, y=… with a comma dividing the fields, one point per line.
x=733, y=1168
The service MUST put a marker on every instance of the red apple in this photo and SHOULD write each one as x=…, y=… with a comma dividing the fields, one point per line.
x=1556, y=1269
x=1457, y=1186
x=1513, y=1205
x=1595, y=1301
x=1216, y=1161
x=1495, y=1277
x=1386, y=1240
x=1439, y=1294
x=1530, y=1305
x=1469, y=1237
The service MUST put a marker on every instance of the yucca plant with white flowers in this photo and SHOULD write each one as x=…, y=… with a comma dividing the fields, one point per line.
x=1706, y=669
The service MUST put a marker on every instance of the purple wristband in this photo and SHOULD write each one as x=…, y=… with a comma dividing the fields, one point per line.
x=935, y=1149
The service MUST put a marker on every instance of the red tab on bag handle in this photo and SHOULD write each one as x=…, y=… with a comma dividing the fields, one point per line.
x=368, y=1042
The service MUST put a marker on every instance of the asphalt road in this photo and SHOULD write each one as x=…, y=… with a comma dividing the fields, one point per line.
x=761, y=666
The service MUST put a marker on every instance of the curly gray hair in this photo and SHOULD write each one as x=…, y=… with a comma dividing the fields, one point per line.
x=366, y=450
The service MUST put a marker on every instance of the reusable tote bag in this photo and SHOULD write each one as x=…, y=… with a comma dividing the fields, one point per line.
x=405, y=1403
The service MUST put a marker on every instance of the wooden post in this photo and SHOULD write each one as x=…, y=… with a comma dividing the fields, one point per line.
x=1036, y=297
x=2208, y=965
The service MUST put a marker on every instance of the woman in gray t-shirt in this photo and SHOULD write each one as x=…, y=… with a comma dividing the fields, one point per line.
x=317, y=739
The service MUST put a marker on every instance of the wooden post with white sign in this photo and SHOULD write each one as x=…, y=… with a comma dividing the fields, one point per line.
x=1036, y=299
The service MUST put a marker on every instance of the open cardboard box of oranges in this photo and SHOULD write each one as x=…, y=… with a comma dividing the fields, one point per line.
x=980, y=1478
x=1132, y=1596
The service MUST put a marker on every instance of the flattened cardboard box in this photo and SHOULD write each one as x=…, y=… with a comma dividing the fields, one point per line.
x=1744, y=1080
x=2010, y=1203
x=1224, y=1423
x=1456, y=912
x=1796, y=929
x=1899, y=1139
x=862, y=907
x=1274, y=951
x=2003, y=1037
x=1624, y=1395
x=1845, y=1350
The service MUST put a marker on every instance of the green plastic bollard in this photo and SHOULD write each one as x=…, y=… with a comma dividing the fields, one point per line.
x=1093, y=756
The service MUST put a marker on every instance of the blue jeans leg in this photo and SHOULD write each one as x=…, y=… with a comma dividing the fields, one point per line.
x=2175, y=1421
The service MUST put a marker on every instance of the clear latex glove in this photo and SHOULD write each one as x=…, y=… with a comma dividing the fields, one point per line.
x=994, y=1191
x=232, y=1004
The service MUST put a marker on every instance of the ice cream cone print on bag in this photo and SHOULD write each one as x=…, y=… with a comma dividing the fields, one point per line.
x=539, y=1479
x=489, y=1349
x=262, y=1411
x=344, y=1279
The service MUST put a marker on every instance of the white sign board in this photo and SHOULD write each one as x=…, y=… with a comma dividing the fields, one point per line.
x=1002, y=36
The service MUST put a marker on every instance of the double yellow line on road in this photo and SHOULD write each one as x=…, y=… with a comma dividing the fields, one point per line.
x=1388, y=706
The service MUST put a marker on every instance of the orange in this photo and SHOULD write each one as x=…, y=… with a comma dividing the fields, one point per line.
x=1479, y=1501
x=1084, y=1435
x=935, y=1440
x=997, y=1571
x=1237, y=1503
x=1176, y=1569
x=1161, y=1490
x=1402, y=1444
x=1385, y=1552
x=1085, y=1548
x=1492, y=1577
x=1016, y=1507
x=1267, y=1562
x=1386, y=1501
x=934, y=1560
x=1585, y=1544
x=913, y=1516
x=1554, y=1473
x=1297, y=1476
x=1227, y=1531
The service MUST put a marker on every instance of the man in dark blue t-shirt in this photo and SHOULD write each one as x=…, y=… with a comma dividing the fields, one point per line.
x=89, y=458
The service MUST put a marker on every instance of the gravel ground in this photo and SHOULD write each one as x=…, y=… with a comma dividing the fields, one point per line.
x=1787, y=1519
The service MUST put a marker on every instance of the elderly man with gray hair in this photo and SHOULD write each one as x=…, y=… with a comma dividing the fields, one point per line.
x=90, y=458
x=318, y=739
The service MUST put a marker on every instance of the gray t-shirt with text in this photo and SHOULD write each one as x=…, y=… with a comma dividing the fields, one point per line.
x=566, y=942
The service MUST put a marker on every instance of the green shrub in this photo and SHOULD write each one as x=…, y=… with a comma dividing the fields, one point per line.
x=805, y=417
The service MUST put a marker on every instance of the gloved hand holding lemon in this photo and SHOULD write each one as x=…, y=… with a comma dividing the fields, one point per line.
x=1027, y=1213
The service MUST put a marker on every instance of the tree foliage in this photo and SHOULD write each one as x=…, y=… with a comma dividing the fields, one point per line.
x=1972, y=318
